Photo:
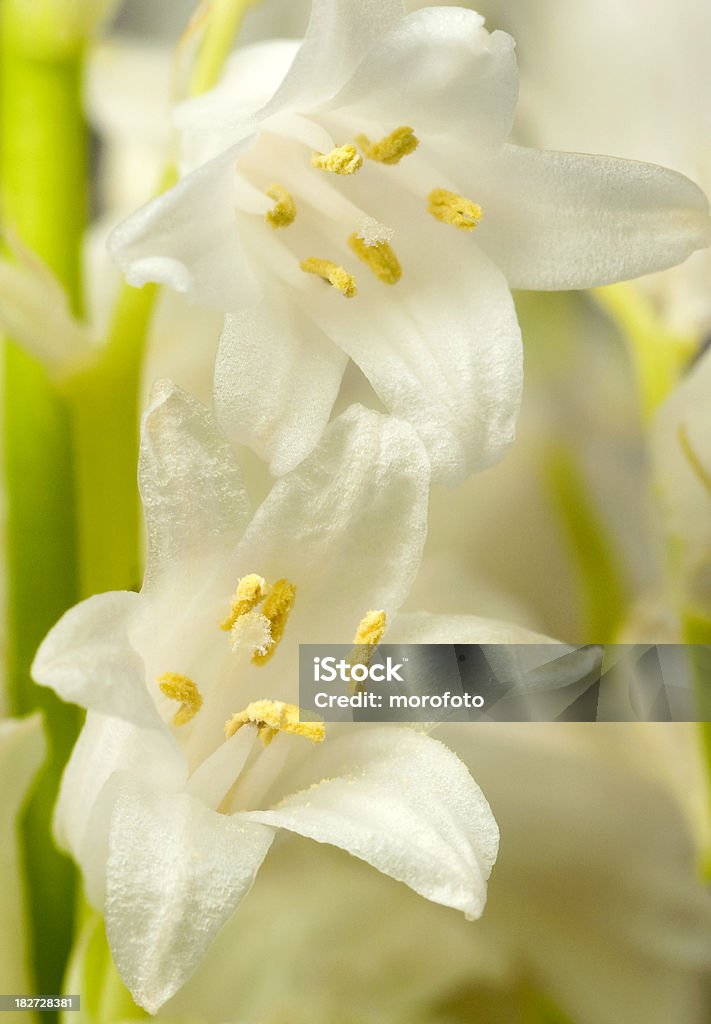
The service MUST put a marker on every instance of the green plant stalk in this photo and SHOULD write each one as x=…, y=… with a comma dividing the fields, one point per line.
x=223, y=23
x=603, y=587
x=44, y=201
x=697, y=630
x=658, y=355
x=103, y=400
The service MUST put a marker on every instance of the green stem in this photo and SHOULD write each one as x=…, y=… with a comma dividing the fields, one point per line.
x=658, y=355
x=603, y=587
x=697, y=631
x=44, y=201
x=104, y=410
x=224, y=21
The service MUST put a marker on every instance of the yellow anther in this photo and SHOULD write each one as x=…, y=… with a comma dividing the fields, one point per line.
x=368, y=635
x=453, y=209
x=341, y=160
x=276, y=609
x=271, y=717
x=380, y=258
x=284, y=212
x=331, y=272
x=371, y=629
x=250, y=591
x=181, y=688
x=392, y=148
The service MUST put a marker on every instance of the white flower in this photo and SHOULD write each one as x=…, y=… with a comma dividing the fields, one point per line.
x=596, y=900
x=22, y=750
x=356, y=158
x=169, y=819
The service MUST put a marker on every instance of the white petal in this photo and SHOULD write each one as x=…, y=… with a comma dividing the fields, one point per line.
x=338, y=37
x=425, y=628
x=442, y=348
x=22, y=750
x=562, y=220
x=176, y=871
x=191, y=485
x=188, y=239
x=276, y=380
x=221, y=117
x=461, y=80
x=402, y=802
x=87, y=659
x=107, y=745
x=347, y=526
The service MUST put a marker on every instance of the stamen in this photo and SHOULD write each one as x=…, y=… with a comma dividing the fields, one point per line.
x=181, y=688
x=284, y=212
x=341, y=160
x=273, y=716
x=453, y=209
x=368, y=635
x=390, y=150
x=331, y=272
x=250, y=591
x=276, y=609
x=380, y=258
x=371, y=629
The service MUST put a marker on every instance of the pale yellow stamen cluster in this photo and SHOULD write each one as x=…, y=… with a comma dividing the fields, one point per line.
x=250, y=591
x=379, y=257
x=331, y=272
x=454, y=209
x=390, y=150
x=341, y=160
x=370, y=632
x=272, y=717
x=447, y=207
x=181, y=688
x=264, y=625
x=284, y=211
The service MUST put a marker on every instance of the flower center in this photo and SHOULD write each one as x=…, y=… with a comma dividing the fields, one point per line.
x=370, y=242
